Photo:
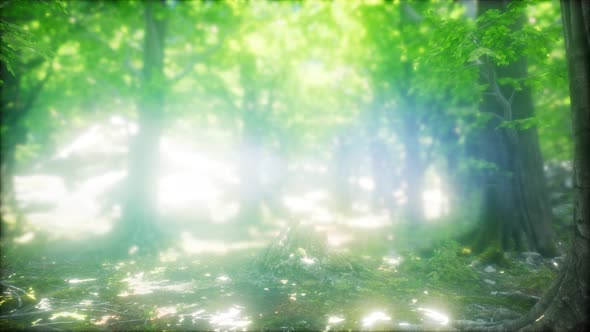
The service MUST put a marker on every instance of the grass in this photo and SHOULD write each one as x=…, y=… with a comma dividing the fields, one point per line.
x=228, y=291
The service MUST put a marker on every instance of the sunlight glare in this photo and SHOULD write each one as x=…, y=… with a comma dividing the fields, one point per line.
x=223, y=212
x=434, y=200
x=436, y=316
x=369, y=221
x=393, y=261
x=375, y=317
x=321, y=215
x=309, y=202
x=223, y=278
x=183, y=190
x=230, y=319
x=298, y=204
x=191, y=245
x=39, y=189
x=308, y=260
x=366, y=183
x=86, y=140
x=137, y=285
x=335, y=319
x=67, y=213
x=67, y=314
x=165, y=311
x=25, y=238
x=313, y=72
x=78, y=281
x=400, y=197
x=336, y=239
x=44, y=304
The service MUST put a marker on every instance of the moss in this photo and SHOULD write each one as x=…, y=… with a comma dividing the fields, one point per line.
x=532, y=281
x=443, y=266
x=494, y=255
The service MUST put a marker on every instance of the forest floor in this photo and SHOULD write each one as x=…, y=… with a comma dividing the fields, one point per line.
x=369, y=287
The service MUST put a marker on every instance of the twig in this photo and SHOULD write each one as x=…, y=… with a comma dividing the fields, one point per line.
x=14, y=291
x=7, y=285
x=128, y=321
x=54, y=323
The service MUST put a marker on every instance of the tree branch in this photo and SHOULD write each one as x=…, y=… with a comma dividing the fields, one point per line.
x=81, y=28
x=199, y=58
x=412, y=13
x=195, y=59
x=36, y=90
x=505, y=104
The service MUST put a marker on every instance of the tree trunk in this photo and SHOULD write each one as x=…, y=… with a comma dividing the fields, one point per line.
x=460, y=183
x=499, y=210
x=534, y=194
x=13, y=132
x=383, y=171
x=565, y=306
x=16, y=104
x=138, y=225
x=251, y=146
x=344, y=168
x=569, y=306
x=250, y=182
x=515, y=212
x=381, y=162
x=413, y=166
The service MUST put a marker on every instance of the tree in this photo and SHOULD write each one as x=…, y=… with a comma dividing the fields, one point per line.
x=390, y=57
x=253, y=130
x=138, y=223
x=29, y=46
x=17, y=101
x=515, y=210
x=565, y=306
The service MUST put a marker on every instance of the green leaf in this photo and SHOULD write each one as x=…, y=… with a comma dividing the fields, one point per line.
x=519, y=124
x=479, y=52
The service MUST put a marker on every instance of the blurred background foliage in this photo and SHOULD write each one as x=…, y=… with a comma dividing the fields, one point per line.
x=160, y=127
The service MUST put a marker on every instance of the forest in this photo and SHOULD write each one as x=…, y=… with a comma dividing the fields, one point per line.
x=345, y=165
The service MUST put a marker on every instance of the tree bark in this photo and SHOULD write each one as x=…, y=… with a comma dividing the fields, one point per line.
x=138, y=224
x=414, y=165
x=515, y=209
x=16, y=103
x=569, y=308
x=565, y=306
x=345, y=166
x=383, y=171
x=251, y=146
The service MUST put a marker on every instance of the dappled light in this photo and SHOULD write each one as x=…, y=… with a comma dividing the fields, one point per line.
x=231, y=319
x=285, y=165
x=436, y=316
x=192, y=245
x=373, y=318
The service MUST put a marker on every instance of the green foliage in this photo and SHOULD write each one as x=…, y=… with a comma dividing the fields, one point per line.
x=493, y=255
x=533, y=281
x=479, y=165
x=26, y=154
x=288, y=75
x=445, y=265
x=479, y=52
x=519, y=124
x=14, y=39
